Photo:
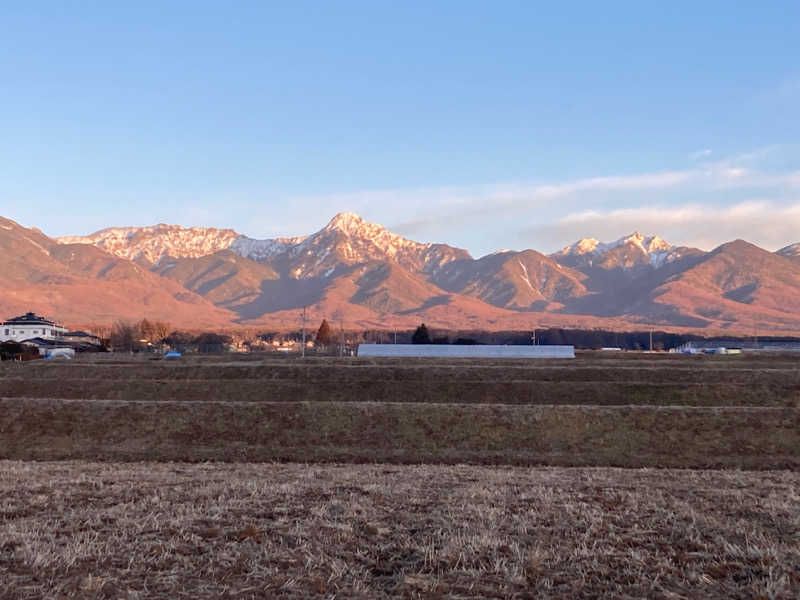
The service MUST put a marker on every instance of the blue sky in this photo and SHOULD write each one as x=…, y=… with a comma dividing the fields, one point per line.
x=481, y=124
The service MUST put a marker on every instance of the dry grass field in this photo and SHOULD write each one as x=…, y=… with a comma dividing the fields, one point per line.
x=624, y=410
x=175, y=530
x=418, y=479
x=592, y=379
x=624, y=436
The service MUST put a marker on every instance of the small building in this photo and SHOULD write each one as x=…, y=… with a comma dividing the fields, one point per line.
x=459, y=351
x=81, y=336
x=28, y=326
x=731, y=346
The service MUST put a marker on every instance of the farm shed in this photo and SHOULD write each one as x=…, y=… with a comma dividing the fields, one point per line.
x=458, y=351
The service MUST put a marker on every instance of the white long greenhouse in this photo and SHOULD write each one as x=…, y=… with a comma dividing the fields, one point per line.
x=458, y=351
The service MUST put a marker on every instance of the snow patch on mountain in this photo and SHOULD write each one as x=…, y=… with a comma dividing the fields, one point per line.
x=658, y=251
x=260, y=250
x=156, y=242
x=790, y=250
x=525, y=276
x=646, y=244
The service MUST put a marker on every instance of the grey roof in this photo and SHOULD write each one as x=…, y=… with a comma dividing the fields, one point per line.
x=41, y=342
x=29, y=319
x=741, y=344
x=457, y=351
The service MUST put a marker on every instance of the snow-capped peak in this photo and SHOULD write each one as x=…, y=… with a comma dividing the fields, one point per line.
x=362, y=241
x=646, y=244
x=349, y=239
x=346, y=239
x=155, y=242
x=587, y=250
x=583, y=246
x=348, y=222
x=790, y=250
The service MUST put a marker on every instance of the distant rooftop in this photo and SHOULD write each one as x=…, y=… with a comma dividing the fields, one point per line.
x=741, y=344
x=29, y=319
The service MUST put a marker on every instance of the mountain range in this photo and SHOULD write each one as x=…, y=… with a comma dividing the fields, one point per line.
x=361, y=274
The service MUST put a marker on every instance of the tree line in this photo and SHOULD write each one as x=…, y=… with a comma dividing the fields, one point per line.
x=144, y=334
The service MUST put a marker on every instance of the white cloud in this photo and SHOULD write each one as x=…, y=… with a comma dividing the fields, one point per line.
x=705, y=153
x=763, y=223
x=645, y=181
x=423, y=210
x=703, y=205
x=792, y=178
x=735, y=172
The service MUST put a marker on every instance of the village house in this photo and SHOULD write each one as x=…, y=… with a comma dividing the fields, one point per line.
x=29, y=326
x=81, y=337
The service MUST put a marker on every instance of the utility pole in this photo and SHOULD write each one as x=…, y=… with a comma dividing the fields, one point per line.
x=651, y=340
x=341, y=344
x=395, y=335
x=303, y=350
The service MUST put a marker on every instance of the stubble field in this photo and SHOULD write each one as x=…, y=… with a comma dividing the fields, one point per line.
x=173, y=530
x=363, y=478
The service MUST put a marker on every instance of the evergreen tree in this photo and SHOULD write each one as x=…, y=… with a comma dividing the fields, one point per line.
x=324, y=334
x=421, y=335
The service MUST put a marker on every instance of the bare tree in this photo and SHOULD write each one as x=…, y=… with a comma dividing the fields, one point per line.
x=101, y=331
x=124, y=336
x=160, y=330
x=145, y=330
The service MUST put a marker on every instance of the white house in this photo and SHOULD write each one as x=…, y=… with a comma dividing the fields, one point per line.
x=30, y=326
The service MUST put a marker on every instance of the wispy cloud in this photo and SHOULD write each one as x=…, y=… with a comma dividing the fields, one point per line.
x=434, y=208
x=766, y=224
x=698, y=154
x=748, y=195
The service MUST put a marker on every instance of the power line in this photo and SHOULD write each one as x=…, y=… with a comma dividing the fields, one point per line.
x=303, y=349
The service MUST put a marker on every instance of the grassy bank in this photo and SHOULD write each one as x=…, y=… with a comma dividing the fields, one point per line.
x=599, y=393
x=401, y=433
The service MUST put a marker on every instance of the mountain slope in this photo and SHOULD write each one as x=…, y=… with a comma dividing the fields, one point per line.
x=516, y=280
x=365, y=275
x=736, y=283
x=224, y=277
x=82, y=284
